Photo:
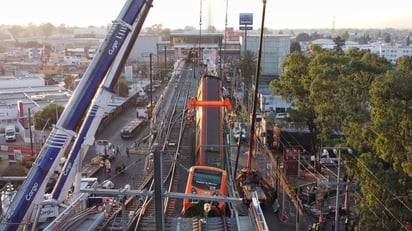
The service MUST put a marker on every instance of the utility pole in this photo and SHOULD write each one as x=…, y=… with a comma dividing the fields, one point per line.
x=31, y=134
x=158, y=189
x=337, y=215
x=165, y=65
x=151, y=84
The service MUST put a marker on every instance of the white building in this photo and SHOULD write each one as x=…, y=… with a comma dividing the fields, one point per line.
x=12, y=82
x=34, y=52
x=390, y=52
x=324, y=43
x=144, y=45
x=394, y=52
x=272, y=103
x=275, y=48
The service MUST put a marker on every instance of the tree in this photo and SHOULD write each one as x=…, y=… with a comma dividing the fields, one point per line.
x=211, y=29
x=165, y=34
x=189, y=28
x=122, y=88
x=405, y=63
x=295, y=46
x=16, y=32
x=391, y=99
x=155, y=29
x=339, y=43
x=361, y=95
x=47, y=116
x=387, y=38
x=47, y=29
x=294, y=89
x=247, y=65
x=345, y=35
x=386, y=170
x=69, y=82
x=302, y=37
x=364, y=39
x=49, y=80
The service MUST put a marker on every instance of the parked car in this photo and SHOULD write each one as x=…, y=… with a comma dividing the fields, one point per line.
x=238, y=130
x=282, y=115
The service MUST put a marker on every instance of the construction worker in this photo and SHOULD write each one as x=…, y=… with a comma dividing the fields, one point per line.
x=127, y=152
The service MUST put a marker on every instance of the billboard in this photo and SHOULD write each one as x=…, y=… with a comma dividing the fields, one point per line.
x=246, y=18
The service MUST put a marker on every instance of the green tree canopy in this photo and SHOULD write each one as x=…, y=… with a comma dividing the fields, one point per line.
x=362, y=96
x=247, y=65
x=47, y=116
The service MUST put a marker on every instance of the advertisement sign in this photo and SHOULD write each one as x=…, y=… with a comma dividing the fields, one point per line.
x=246, y=18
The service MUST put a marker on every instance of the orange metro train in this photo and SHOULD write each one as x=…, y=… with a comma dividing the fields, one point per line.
x=208, y=176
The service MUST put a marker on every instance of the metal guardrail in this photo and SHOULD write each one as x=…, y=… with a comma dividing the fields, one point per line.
x=257, y=213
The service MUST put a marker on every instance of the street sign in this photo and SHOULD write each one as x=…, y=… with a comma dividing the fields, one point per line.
x=245, y=28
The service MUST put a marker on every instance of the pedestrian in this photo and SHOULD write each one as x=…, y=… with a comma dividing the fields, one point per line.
x=127, y=152
x=117, y=150
x=108, y=167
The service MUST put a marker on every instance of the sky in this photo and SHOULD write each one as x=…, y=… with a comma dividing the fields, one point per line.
x=174, y=14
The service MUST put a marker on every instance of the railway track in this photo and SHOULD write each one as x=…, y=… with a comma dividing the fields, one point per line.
x=138, y=212
x=132, y=212
x=175, y=145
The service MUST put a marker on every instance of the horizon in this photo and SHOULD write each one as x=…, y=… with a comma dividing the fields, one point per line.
x=317, y=14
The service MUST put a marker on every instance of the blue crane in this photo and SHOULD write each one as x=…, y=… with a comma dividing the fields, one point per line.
x=33, y=188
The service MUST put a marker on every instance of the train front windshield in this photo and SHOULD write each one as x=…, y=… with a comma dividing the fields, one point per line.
x=207, y=180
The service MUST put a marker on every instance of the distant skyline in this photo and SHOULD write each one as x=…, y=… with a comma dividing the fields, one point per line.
x=175, y=14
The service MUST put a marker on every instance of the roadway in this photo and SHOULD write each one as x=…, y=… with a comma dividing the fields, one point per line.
x=138, y=148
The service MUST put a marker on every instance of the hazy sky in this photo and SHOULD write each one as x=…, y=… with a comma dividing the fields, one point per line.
x=175, y=14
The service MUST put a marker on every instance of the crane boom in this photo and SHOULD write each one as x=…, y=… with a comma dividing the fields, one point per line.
x=95, y=114
x=33, y=188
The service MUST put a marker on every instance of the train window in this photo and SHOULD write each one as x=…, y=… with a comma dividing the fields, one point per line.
x=207, y=180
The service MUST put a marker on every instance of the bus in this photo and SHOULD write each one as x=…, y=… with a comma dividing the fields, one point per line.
x=131, y=128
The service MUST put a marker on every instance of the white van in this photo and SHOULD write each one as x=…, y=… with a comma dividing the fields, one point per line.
x=10, y=133
x=329, y=155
